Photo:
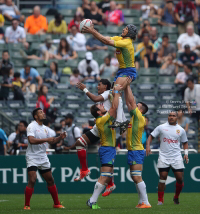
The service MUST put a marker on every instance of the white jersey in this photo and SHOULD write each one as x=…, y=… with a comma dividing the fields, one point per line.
x=39, y=132
x=107, y=104
x=170, y=139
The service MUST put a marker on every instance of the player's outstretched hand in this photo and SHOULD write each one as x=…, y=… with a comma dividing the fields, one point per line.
x=81, y=86
x=186, y=159
x=86, y=29
x=148, y=151
x=63, y=135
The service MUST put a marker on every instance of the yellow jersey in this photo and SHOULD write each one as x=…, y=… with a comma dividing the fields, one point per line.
x=107, y=135
x=135, y=130
x=124, y=51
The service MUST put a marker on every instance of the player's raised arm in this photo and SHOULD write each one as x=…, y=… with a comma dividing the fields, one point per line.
x=104, y=39
x=130, y=99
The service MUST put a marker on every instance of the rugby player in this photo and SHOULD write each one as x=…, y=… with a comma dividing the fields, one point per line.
x=171, y=135
x=36, y=157
x=136, y=152
x=107, y=151
x=124, y=52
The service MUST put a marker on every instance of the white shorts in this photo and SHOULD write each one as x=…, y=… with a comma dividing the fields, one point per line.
x=175, y=164
x=42, y=163
x=95, y=131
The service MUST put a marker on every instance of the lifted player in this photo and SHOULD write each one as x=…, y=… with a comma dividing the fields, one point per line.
x=171, y=134
x=36, y=157
x=107, y=151
x=136, y=152
x=125, y=55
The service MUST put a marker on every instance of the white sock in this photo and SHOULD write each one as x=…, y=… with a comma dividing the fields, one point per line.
x=143, y=193
x=98, y=188
x=119, y=111
x=139, y=195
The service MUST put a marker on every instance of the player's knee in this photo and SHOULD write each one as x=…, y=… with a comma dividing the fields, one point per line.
x=136, y=176
x=32, y=180
x=50, y=181
x=105, y=177
x=179, y=180
x=81, y=142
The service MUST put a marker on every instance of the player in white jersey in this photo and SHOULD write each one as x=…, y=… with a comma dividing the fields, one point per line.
x=36, y=157
x=171, y=136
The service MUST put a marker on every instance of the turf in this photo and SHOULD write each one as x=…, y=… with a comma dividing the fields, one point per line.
x=113, y=204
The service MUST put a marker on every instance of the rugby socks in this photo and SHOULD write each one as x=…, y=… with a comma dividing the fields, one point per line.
x=143, y=193
x=54, y=193
x=98, y=188
x=82, y=156
x=119, y=111
x=28, y=193
x=139, y=195
x=179, y=188
x=161, y=196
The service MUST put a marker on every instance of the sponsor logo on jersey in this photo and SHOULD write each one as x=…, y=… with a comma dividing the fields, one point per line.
x=118, y=52
x=45, y=131
x=177, y=131
x=129, y=126
x=165, y=129
x=169, y=140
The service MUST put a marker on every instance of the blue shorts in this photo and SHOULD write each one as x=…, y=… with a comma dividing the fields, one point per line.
x=107, y=155
x=16, y=17
x=127, y=72
x=135, y=157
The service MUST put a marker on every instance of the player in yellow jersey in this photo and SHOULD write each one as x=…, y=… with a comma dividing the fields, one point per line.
x=107, y=151
x=125, y=56
x=136, y=152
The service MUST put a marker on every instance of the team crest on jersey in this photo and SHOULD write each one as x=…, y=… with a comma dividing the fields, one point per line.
x=45, y=131
x=118, y=52
x=129, y=126
x=177, y=131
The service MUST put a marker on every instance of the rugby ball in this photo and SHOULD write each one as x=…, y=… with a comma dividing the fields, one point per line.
x=85, y=22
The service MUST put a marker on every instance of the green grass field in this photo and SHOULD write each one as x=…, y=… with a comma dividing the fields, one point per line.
x=114, y=204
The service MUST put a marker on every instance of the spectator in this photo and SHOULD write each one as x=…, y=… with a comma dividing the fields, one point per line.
x=104, y=6
x=150, y=58
x=121, y=141
x=91, y=78
x=2, y=20
x=16, y=34
x=106, y=69
x=6, y=85
x=12, y=136
x=192, y=98
x=183, y=121
x=148, y=9
x=73, y=132
x=52, y=75
x=182, y=77
x=3, y=141
x=166, y=49
x=36, y=23
x=29, y=77
x=94, y=44
x=47, y=51
x=21, y=141
x=2, y=41
x=63, y=125
x=65, y=51
x=11, y=11
x=42, y=100
x=47, y=123
x=6, y=66
x=114, y=16
x=141, y=48
x=93, y=14
x=188, y=57
x=167, y=14
x=147, y=131
x=86, y=6
x=114, y=62
x=168, y=67
x=145, y=28
x=57, y=146
x=185, y=14
x=75, y=77
x=17, y=87
x=57, y=25
x=75, y=22
x=189, y=38
x=76, y=40
x=153, y=35
x=88, y=62
x=198, y=11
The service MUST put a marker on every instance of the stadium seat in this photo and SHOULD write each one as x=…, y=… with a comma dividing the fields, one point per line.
x=35, y=63
x=81, y=54
x=31, y=103
x=57, y=96
x=172, y=38
x=84, y=113
x=15, y=46
x=2, y=104
x=73, y=105
x=166, y=88
x=135, y=21
x=63, y=112
x=100, y=28
x=35, y=46
x=80, y=120
x=41, y=70
x=153, y=21
x=62, y=87
x=148, y=97
x=10, y=112
x=147, y=79
x=166, y=79
x=72, y=63
x=68, y=19
x=26, y=11
x=131, y=13
x=56, y=104
x=148, y=72
x=15, y=104
x=15, y=55
x=20, y=63
x=74, y=96
x=146, y=87
x=168, y=30
x=64, y=79
x=68, y=13
x=25, y=112
x=3, y=47
x=114, y=29
x=32, y=38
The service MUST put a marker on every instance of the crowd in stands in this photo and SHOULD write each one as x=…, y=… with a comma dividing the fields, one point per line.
x=168, y=41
